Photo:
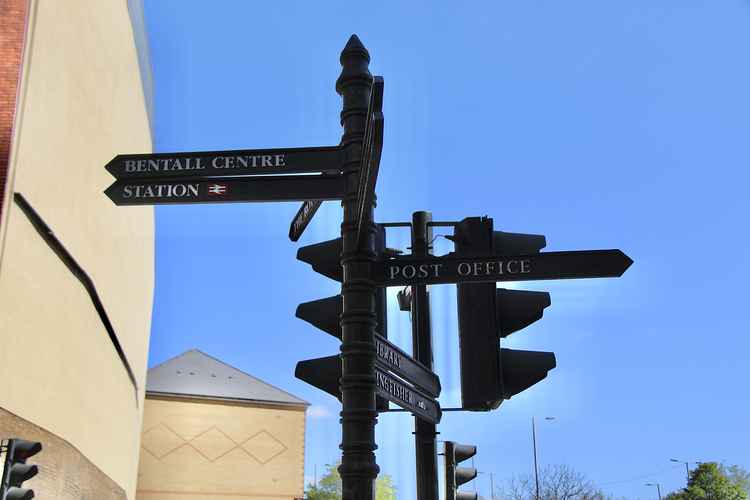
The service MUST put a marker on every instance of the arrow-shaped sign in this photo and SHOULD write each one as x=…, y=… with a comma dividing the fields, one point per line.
x=390, y=357
x=401, y=271
x=225, y=190
x=303, y=218
x=408, y=398
x=372, y=147
x=226, y=163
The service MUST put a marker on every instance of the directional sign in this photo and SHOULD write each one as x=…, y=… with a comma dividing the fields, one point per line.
x=394, y=359
x=225, y=190
x=226, y=163
x=408, y=398
x=401, y=271
x=303, y=218
x=372, y=147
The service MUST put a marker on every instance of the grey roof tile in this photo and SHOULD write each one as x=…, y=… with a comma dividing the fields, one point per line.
x=195, y=373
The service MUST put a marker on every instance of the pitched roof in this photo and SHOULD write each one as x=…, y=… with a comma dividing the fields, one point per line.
x=196, y=374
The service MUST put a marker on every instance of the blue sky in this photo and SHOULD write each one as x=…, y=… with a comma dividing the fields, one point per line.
x=598, y=124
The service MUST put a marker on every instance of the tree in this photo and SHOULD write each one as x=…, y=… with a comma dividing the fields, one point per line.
x=384, y=489
x=710, y=481
x=558, y=482
x=329, y=486
x=739, y=476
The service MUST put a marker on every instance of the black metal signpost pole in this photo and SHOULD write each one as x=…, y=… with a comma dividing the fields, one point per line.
x=369, y=364
x=358, y=469
x=424, y=432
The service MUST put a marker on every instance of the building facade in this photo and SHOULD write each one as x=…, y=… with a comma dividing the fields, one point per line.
x=213, y=432
x=76, y=272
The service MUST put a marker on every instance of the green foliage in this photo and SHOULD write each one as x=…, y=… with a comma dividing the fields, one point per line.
x=710, y=481
x=738, y=476
x=329, y=487
x=384, y=489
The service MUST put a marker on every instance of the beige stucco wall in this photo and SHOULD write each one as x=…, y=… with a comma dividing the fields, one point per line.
x=216, y=450
x=81, y=102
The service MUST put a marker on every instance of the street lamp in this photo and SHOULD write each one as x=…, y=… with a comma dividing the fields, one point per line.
x=687, y=468
x=658, y=488
x=492, y=484
x=533, y=439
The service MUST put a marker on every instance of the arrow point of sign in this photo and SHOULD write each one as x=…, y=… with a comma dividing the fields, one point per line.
x=110, y=167
x=626, y=262
x=110, y=192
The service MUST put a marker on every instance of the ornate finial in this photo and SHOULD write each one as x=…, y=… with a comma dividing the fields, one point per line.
x=354, y=46
x=354, y=61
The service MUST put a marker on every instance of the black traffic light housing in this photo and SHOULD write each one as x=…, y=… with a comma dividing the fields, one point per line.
x=325, y=258
x=16, y=470
x=456, y=476
x=486, y=314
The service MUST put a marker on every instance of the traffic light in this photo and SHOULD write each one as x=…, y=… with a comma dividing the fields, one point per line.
x=16, y=470
x=486, y=314
x=324, y=373
x=456, y=476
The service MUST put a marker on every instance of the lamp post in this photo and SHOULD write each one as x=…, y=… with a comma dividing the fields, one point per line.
x=533, y=440
x=492, y=484
x=658, y=488
x=687, y=468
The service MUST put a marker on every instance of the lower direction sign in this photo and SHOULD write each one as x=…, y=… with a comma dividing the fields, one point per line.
x=226, y=190
x=394, y=390
x=401, y=271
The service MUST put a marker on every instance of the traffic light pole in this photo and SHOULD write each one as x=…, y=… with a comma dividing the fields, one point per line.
x=358, y=469
x=424, y=432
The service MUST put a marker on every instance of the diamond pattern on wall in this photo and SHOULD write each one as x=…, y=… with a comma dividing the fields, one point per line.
x=160, y=441
x=263, y=447
x=211, y=444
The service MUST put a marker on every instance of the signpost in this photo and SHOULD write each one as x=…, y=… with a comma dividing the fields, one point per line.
x=390, y=357
x=303, y=218
x=226, y=163
x=370, y=369
x=226, y=190
x=358, y=469
x=372, y=148
x=401, y=271
x=408, y=398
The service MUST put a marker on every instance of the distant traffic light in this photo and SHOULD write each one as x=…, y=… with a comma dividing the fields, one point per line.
x=325, y=258
x=456, y=476
x=16, y=470
x=490, y=374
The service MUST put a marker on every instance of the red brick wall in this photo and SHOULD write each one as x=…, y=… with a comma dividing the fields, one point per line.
x=12, y=29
